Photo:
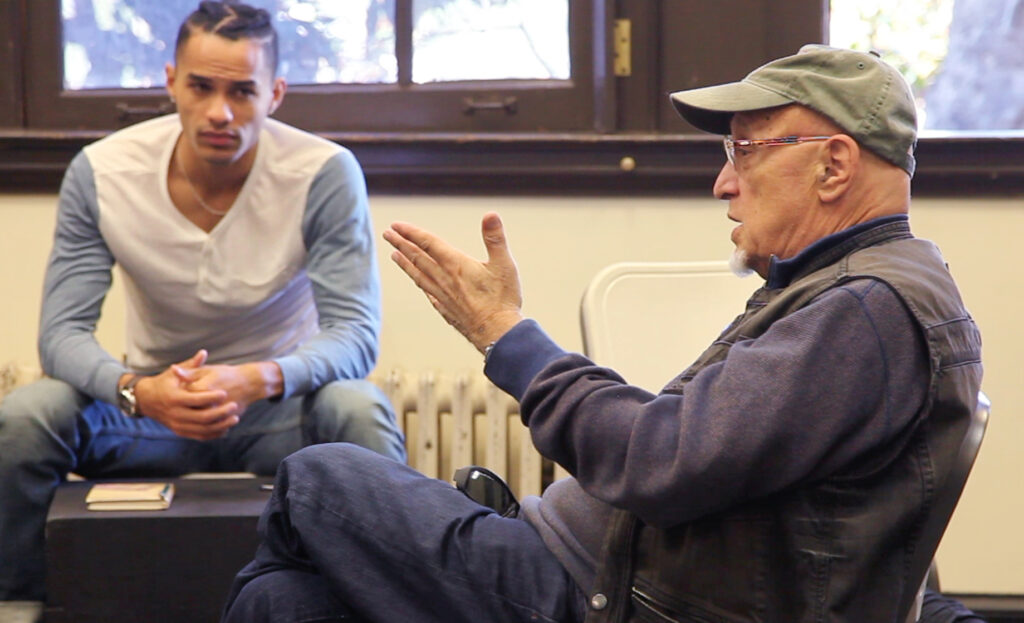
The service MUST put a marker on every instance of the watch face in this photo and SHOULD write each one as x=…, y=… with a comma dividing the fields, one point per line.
x=126, y=400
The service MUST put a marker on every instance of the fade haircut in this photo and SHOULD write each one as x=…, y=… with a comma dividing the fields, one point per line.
x=234, y=21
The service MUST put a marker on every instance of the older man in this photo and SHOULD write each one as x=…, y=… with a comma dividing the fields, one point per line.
x=781, y=477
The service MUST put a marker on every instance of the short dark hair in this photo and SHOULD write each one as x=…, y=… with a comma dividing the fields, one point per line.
x=232, y=20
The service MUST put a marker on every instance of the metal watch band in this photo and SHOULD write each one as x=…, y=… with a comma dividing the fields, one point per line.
x=126, y=398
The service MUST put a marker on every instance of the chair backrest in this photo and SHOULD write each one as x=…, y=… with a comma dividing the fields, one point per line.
x=680, y=307
x=946, y=499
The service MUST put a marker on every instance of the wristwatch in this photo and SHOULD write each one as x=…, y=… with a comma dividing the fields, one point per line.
x=126, y=398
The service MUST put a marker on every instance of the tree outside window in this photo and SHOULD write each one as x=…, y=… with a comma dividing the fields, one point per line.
x=961, y=57
x=125, y=43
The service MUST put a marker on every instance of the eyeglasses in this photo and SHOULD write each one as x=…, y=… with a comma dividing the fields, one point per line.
x=731, y=144
x=487, y=489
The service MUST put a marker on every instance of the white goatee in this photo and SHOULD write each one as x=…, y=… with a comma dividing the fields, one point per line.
x=739, y=265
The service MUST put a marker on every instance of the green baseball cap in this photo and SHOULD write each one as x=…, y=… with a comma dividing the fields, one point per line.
x=860, y=92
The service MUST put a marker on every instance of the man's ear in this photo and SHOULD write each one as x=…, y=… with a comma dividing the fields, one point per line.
x=280, y=86
x=169, y=72
x=841, y=161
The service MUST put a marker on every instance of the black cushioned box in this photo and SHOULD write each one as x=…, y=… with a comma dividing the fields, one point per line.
x=168, y=566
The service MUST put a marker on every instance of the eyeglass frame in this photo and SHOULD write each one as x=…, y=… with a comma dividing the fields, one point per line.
x=464, y=475
x=729, y=143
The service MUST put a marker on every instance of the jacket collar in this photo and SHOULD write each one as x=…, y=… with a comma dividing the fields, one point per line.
x=831, y=248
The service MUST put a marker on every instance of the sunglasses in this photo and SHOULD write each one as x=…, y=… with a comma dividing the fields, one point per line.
x=486, y=489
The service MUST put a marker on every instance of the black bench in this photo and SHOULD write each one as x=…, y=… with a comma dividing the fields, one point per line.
x=168, y=566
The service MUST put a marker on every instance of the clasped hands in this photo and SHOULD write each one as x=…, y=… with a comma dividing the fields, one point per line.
x=202, y=401
x=482, y=300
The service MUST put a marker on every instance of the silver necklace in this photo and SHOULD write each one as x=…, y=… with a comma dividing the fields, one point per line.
x=195, y=193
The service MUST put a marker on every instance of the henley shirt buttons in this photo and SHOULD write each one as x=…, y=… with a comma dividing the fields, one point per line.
x=598, y=601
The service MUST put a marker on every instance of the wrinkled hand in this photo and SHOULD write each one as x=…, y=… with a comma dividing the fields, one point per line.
x=202, y=415
x=482, y=300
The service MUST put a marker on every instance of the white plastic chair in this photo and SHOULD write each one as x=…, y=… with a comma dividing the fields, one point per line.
x=649, y=320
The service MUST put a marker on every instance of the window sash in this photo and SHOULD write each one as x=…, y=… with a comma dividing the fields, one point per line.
x=576, y=104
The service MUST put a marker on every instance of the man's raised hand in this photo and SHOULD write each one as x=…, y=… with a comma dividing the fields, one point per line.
x=482, y=300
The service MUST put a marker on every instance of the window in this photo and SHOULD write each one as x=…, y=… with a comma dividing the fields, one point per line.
x=358, y=65
x=524, y=39
x=122, y=44
x=962, y=59
x=118, y=44
x=373, y=75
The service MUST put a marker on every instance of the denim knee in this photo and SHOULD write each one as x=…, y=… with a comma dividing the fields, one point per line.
x=286, y=596
x=320, y=464
x=33, y=416
x=354, y=411
x=342, y=471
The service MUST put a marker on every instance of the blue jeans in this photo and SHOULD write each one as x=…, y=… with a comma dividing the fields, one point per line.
x=48, y=429
x=351, y=536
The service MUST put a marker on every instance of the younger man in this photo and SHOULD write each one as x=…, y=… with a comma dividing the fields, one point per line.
x=246, y=251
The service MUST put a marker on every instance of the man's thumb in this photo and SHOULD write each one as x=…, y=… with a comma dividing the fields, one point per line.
x=494, y=238
x=195, y=361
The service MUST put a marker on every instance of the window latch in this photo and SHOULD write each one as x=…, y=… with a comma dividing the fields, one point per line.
x=470, y=106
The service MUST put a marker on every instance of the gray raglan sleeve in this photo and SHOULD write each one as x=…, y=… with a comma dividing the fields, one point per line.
x=342, y=267
x=78, y=277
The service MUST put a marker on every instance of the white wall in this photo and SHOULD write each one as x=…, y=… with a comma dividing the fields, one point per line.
x=560, y=243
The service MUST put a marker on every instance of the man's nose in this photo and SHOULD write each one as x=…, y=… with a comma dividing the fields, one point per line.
x=726, y=185
x=219, y=111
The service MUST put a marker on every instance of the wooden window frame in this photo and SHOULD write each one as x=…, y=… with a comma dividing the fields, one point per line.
x=637, y=144
x=11, y=93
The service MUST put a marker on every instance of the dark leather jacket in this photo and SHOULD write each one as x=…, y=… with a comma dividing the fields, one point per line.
x=837, y=549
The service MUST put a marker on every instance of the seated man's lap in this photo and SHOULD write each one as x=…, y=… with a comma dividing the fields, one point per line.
x=60, y=427
x=55, y=423
x=353, y=411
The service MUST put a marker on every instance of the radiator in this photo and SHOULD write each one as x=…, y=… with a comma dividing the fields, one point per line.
x=455, y=420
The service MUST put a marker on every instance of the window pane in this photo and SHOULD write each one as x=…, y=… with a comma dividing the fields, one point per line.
x=366, y=45
x=961, y=57
x=490, y=40
x=125, y=43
